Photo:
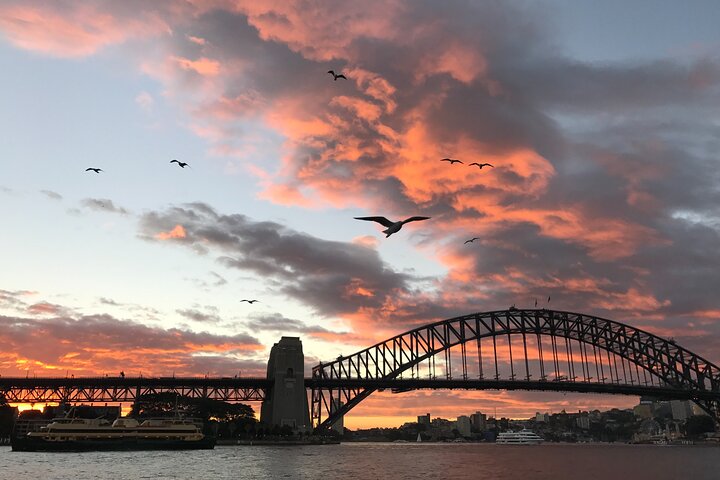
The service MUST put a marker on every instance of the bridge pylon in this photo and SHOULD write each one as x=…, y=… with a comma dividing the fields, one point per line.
x=286, y=400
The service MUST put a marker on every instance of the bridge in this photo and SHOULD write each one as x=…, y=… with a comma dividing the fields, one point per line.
x=515, y=349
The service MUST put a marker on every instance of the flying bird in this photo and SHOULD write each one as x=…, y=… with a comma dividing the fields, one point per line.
x=336, y=75
x=451, y=160
x=481, y=165
x=249, y=301
x=182, y=164
x=96, y=170
x=536, y=303
x=392, y=227
x=548, y=299
x=472, y=240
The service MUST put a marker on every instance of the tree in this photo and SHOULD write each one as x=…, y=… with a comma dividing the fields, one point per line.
x=228, y=418
x=699, y=424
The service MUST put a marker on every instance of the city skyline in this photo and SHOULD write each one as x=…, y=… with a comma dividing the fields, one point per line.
x=599, y=122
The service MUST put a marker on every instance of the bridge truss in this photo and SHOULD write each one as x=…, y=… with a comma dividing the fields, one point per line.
x=535, y=349
x=120, y=389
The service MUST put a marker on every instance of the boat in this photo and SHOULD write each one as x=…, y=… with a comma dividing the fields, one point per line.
x=419, y=438
x=523, y=437
x=83, y=434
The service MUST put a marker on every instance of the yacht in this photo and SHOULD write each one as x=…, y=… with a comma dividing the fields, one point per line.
x=523, y=437
x=82, y=434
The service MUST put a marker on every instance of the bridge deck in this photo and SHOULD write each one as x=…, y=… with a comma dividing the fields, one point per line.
x=118, y=389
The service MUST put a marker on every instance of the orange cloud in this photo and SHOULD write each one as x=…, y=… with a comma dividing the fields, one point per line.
x=177, y=232
x=77, y=31
x=206, y=67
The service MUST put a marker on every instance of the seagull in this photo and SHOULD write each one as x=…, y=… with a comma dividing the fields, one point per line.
x=481, y=165
x=393, y=227
x=96, y=170
x=336, y=75
x=536, y=303
x=181, y=164
x=472, y=240
x=451, y=160
x=249, y=301
x=548, y=299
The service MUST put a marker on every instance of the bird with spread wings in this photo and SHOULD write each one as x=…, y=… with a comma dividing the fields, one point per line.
x=181, y=164
x=336, y=75
x=392, y=227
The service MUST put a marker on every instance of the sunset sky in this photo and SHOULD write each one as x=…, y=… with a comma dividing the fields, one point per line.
x=601, y=119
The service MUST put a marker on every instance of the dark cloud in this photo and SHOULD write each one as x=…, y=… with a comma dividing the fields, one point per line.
x=96, y=343
x=199, y=316
x=46, y=308
x=51, y=195
x=14, y=298
x=276, y=322
x=103, y=205
x=331, y=277
x=219, y=280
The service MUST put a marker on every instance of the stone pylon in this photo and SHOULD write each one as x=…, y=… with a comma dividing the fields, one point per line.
x=286, y=402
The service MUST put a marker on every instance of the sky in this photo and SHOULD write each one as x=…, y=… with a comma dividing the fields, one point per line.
x=600, y=119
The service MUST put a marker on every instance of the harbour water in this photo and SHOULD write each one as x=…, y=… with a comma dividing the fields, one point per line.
x=377, y=461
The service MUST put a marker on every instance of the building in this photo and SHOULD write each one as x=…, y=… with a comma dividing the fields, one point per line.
x=542, y=417
x=442, y=428
x=583, y=421
x=681, y=409
x=478, y=421
x=644, y=410
x=424, y=420
x=462, y=424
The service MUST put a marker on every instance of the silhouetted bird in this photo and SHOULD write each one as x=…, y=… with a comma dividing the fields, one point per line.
x=536, y=303
x=451, y=160
x=472, y=240
x=548, y=299
x=481, y=165
x=393, y=227
x=96, y=170
x=336, y=75
x=182, y=164
x=249, y=301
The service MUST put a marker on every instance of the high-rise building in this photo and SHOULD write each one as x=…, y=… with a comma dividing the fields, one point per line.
x=478, y=421
x=681, y=409
x=643, y=410
x=542, y=417
x=424, y=419
x=583, y=421
x=463, y=425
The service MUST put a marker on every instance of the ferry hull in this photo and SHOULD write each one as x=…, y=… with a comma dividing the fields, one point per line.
x=40, y=445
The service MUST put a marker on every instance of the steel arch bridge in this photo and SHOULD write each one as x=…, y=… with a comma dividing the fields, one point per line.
x=533, y=349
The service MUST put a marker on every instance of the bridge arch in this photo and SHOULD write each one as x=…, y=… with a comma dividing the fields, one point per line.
x=668, y=370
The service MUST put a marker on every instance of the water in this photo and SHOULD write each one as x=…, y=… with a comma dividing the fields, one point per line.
x=376, y=461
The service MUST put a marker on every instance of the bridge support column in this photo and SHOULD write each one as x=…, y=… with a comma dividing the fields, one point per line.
x=286, y=402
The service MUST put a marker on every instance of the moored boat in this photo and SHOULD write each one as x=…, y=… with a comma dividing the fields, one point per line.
x=82, y=434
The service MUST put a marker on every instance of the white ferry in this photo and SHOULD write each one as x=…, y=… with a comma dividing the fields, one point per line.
x=81, y=434
x=523, y=437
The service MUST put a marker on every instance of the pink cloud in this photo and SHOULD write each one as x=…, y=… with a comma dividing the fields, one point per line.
x=178, y=231
x=75, y=30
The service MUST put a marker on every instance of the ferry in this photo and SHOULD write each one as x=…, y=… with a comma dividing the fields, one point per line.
x=83, y=434
x=523, y=437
